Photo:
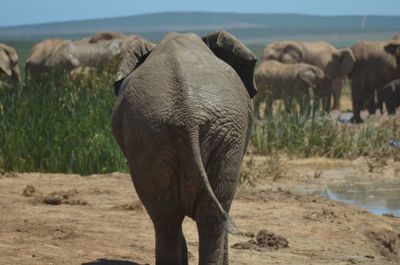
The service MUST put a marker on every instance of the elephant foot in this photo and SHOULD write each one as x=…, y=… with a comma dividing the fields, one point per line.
x=356, y=120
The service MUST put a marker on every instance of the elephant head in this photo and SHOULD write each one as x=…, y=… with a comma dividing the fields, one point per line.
x=341, y=63
x=312, y=75
x=231, y=50
x=286, y=52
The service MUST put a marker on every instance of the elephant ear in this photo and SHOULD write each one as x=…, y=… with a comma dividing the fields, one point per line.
x=294, y=51
x=347, y=61
x=5, y=61
x=312, y=75
x=137, y=53
x=231, y=50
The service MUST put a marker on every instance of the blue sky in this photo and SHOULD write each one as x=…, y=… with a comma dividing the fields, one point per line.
x=17, y=12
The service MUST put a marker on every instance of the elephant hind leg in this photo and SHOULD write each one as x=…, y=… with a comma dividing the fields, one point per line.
x=171, y=246
x=223, y=173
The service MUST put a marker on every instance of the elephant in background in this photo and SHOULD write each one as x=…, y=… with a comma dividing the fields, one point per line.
x=391, y=96
x=9, y=62
x=377, y=64
x=336, y=63
x=41, y=52
x=71, y=55
x=90, y=52
x=397, y=37
x=182, y=119
x=276, y=80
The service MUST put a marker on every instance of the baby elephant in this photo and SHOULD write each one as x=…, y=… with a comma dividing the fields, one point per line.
x=391, y=96
x=276, y=80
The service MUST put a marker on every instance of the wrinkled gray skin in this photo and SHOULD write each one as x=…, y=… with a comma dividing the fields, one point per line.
x=336, y=63
x=276, y=80
x=182, y=119
x=9, y=62
x=377, y=64
x=391, y=96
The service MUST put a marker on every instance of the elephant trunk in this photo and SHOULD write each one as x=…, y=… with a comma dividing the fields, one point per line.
x=194, y=139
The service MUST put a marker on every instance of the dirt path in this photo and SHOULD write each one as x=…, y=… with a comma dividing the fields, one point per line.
x=99, y=220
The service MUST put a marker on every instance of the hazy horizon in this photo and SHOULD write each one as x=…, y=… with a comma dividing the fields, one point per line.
x=37, y=12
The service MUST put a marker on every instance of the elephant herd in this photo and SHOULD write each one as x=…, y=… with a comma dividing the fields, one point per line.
x=289, y=70
x=294, y=70
x=95, y=51
x=91, y=52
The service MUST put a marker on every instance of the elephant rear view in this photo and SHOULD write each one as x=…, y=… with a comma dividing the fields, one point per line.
x=182, y=119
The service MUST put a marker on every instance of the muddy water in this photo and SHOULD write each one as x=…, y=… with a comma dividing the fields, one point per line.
x=378, y=198
x=352, y=183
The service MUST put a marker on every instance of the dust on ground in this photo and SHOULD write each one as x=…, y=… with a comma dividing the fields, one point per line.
x=99, y=219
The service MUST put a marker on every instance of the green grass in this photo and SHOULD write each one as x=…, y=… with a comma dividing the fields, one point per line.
x=300, y=136
x=59, y=124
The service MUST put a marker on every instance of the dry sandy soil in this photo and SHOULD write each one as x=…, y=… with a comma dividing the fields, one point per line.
x=98, y=219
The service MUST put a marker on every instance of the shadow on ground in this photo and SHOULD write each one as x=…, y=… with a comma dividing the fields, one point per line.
x=110, y=262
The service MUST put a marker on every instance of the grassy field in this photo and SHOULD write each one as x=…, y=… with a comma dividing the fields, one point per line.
x=59, y=123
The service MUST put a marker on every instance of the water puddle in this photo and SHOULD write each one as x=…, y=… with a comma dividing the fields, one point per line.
x=381, y=198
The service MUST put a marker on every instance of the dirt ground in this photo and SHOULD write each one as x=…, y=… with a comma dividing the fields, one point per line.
x=71, y=219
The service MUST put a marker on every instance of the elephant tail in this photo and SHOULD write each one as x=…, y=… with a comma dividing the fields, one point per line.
x=194, y=138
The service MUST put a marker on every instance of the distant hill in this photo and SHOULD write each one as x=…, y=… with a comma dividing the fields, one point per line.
x=251, y=28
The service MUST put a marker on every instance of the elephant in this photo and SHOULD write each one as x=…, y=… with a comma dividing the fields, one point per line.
x=68, y=54
x=377, y=64
x=9, y=62
x=391, y=96
x=336, y=63
x=90, y=52
x=41, y=52
x=276, y=80
x=182, y=119
x=71, y=55
x=397, y=37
